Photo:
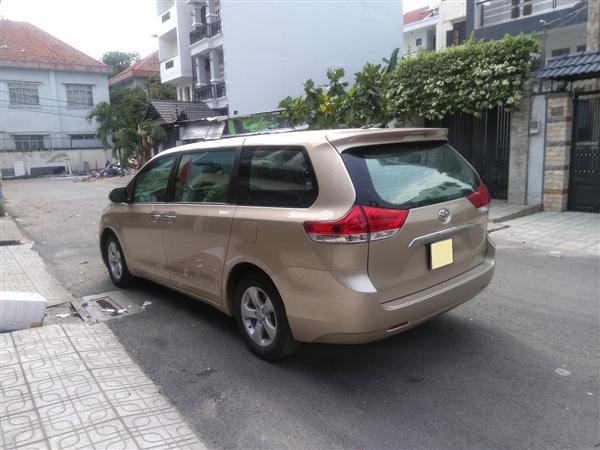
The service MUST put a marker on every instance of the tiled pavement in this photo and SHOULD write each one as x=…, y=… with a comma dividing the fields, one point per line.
x=564, y=231
x=73, y=386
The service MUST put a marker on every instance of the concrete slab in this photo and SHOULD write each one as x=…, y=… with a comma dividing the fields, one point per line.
x=501, y=210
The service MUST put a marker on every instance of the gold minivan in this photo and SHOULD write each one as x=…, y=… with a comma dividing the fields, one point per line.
x=338, y=236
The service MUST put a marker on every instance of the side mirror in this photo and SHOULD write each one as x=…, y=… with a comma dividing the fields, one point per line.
x=118, y=195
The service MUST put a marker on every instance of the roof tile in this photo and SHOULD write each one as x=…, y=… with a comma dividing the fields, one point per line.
x=24, y=44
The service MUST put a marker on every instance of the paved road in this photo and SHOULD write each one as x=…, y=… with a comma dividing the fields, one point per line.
x=515, y=368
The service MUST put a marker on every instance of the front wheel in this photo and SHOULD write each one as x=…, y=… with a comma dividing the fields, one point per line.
x=261, y=318
x=116, y=264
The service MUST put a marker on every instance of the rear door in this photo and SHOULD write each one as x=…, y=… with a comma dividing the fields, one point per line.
x=198, y=221
x=444, y=234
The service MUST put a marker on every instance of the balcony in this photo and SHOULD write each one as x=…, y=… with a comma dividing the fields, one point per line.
x=495, y=12
x=205, y=30
x=167, y=21
x=211, y=91
x=172, y=70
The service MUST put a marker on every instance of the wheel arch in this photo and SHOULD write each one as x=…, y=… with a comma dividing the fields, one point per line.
x=236, y=273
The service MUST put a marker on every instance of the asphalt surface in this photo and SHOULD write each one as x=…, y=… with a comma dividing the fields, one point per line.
x=517, y=367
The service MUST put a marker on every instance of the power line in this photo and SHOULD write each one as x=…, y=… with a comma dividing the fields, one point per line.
x=40, y=111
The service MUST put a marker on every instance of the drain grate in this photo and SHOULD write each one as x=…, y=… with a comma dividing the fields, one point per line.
x=105, y=306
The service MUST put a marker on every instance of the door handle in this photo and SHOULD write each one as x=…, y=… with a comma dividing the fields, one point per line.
x=155, y=216
x=170, y=217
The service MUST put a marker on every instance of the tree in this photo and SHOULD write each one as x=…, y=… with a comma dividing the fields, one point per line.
x=334, y=105
x=119, y=61
x=160, y=91
x=124, y=120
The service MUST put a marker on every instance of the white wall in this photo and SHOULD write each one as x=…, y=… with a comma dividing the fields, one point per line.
x=52, y=117
x=450, y=11
x=270, y=48
x=425, y=34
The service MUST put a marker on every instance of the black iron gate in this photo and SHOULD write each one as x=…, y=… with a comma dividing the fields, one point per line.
x=485, y=142
x=584, y=176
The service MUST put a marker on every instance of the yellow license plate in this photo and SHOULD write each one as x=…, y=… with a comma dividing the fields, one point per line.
x=441, y=254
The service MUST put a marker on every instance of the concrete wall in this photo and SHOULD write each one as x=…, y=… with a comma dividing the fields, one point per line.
x=78, y=160
x=270, y=48
x=519, y=150
x=535, y=166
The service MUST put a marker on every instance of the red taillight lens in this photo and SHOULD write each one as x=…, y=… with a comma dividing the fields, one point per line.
x=352, y=227
x=481, y=197
x=361, y=224
x=384, y=223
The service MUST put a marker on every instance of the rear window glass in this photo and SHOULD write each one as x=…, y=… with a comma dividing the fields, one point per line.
x=276, y=176
x=409, y=175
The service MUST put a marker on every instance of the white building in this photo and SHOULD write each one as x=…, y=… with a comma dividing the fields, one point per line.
x=47, y=88
x=435, y=27
x=248, y=55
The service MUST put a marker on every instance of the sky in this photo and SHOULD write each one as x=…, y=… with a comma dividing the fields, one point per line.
x=99, y=26
x=91, y=26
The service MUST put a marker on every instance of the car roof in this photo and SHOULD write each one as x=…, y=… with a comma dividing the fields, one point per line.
x=341, y=139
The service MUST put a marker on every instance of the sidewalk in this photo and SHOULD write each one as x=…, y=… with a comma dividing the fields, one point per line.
x=564, y=231
x=23, y=269
x=72, y=385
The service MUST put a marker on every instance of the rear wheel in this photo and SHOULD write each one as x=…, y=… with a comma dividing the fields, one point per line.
x=261, y=318
x=116, y=264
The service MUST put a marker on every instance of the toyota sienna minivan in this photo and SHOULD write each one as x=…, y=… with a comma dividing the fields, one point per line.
x=337, y=236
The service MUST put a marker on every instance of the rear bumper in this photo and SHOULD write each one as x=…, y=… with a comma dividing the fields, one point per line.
x=321, y=308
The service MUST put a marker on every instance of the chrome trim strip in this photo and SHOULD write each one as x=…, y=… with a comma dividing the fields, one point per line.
x=439, y=235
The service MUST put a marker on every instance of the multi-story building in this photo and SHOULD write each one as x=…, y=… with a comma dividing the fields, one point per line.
x=435, y=27
x=247, y=56
x=561, y=25
x=47, y=89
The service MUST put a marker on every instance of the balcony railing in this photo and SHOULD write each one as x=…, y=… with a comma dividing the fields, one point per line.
x=494, y=12
x=211, y=91
x=204, y=31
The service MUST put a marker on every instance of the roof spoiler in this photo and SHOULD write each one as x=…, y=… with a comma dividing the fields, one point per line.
x=343, y=141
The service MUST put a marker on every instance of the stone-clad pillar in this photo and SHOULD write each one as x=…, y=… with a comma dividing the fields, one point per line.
x=559, y=125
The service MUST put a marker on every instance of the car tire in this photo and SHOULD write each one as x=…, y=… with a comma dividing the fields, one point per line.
x=114, y=259
x=261, y=318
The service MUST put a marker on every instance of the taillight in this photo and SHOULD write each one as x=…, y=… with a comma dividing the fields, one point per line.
x=481, y=197
x=361, y=224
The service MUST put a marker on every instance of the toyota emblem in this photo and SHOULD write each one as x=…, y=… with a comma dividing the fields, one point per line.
x=444, y=215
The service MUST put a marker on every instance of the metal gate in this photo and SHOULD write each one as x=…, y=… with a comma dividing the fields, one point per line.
x=584, y=176
x=485, y=142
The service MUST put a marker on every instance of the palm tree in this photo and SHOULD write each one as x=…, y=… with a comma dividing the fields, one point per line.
x=152, y=134
x=106, y=115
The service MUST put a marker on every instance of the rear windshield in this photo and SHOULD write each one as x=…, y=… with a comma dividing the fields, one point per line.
x=409, y=175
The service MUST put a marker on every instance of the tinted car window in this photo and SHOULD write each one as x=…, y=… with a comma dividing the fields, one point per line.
x=204, y=176
x=409, y=175
x=276, y=176
x=151, y=184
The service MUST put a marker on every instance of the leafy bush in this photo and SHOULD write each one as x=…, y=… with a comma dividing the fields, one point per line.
x=469, y=78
